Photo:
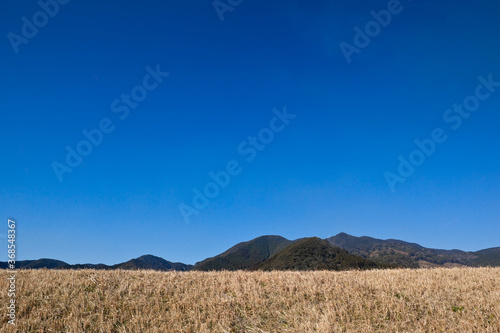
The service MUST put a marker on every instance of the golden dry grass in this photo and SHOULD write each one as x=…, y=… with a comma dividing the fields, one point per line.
x=424, y=300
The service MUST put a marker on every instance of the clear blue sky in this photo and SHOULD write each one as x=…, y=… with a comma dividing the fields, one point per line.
x=323, y=174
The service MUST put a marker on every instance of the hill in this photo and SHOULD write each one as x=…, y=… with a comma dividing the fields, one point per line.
x=35, y=264
x=144, y=262
x=314, y=254
x=487, y=257
x=412, y=255
x=86, y=266
x=245, y=255
x=152, y=262
x=45, y=263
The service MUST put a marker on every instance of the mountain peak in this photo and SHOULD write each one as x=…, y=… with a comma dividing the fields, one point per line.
x=245, y=255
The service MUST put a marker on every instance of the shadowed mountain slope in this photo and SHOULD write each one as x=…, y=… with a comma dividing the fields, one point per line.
x=487, y=257
x=152, y=262
x=245, y=255
x=314, y=254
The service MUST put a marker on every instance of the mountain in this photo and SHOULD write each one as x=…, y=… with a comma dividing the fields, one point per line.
x=276, y=252
x=144, y=262
x=152, y=262
x=314, y=254
x=412, y=255
x=35, y=264
x=245, y=255
x=45, y=263
x=487, y=257
x=86, y=266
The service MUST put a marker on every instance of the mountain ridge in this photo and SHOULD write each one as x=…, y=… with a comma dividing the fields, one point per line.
x=249, y=254
x=410, y=255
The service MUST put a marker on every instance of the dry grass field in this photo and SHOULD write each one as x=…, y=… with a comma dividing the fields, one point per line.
x=423, y=300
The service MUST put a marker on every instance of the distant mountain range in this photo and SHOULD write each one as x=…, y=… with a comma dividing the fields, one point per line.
x=339, y=252
x=144, y=262
x=404, y=254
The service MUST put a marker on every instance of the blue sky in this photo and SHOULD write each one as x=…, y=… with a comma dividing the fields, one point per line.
x=324, y=173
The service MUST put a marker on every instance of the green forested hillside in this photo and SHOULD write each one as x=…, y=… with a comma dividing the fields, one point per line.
x=314, y=254
x=245, y=255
